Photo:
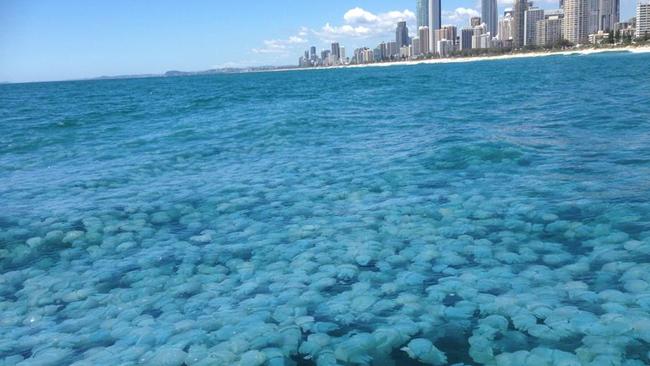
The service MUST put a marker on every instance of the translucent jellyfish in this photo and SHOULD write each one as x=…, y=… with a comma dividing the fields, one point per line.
x=252, y=358
x=356, y=349
x=314, y=344
x=423, y=350
x=168, y=356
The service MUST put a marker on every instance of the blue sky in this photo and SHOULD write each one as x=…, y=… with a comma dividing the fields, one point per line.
x=69, y=39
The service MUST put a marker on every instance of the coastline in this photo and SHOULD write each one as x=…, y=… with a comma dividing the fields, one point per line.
x=587, y=51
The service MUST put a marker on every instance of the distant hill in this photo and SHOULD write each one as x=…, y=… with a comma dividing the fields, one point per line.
x=174, y=73
x=228, y=70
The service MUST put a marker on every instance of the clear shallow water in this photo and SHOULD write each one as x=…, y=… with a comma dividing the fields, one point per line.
x=490, y=213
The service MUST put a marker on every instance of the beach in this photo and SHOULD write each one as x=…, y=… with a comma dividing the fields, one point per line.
x=588, y=51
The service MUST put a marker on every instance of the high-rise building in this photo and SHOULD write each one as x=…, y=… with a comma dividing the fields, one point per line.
x=576, y=21
x=405, y=52
x=342, y=55
x=549, y=31
x=504, y=33
x=312, y=51
x=422, y=10
x=449, y=32
x=392, y=50
x=439, y=34
x=518, y=17
x=376, y=56
x=643, y=19
x=485, y=40
x=415, y=44
x=435, y=21
x=466, y=38
x=592, y=16
x=423, y=35
x=489, y=15
x=324, y=55
x=402, y=35
x=382, y=52
x=474, y=21
x=609, y=14
x=477, y=36
x=368, y=55
x=444, y=47
x=531, y=16
x=336, y=51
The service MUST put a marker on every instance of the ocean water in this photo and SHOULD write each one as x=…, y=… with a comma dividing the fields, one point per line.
x=487, y=213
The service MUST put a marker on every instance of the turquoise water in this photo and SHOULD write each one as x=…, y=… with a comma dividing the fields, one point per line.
x=488, y=213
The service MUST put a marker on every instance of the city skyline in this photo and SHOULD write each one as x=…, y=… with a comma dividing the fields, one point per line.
x=525, y=27
x=79, y=41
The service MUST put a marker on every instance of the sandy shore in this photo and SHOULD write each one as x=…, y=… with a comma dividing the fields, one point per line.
x=643, y=49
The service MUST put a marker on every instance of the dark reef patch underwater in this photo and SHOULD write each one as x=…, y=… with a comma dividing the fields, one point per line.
x=488, y=213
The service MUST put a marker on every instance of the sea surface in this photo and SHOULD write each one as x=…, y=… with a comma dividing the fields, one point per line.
x=485, y=213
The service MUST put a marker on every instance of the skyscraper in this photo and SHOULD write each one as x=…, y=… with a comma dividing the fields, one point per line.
x=609, y=14
x=402, y=35
x=435, y=21
x=439, y=35
x=415, y=43
x=479, y=31
x=324, y=56
x=518, y=16
x=392, y=49
x=489, y=14
x=423, y=35
x=444, y=47
x=505, y=28
x=643, y=19
x=448, y=32
x=576, y=21
x=422, y=9
x=549, y=31
x=466, y=38
x=592, y=16
x=336, y=51
x=531, y=16
x=312, y=51
x=475, y=21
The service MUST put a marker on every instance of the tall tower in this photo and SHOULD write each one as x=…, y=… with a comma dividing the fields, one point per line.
x=518, y=16
x=422, y=9
x=402, y=35
x=489, y=14
x=593, y=18
x=531, y=16
x=435, y=21
x=336, y=51
x=609, y=14
x=576, y=21
x=643, y=19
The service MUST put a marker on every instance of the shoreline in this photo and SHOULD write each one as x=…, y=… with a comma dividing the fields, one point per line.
x=584, y=51
x=581, y=52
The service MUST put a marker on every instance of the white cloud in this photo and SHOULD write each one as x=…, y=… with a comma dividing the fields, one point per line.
x=360, y=23
x=460, y=16
x=333, y=32
x=281, y=45
x=358, y=15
